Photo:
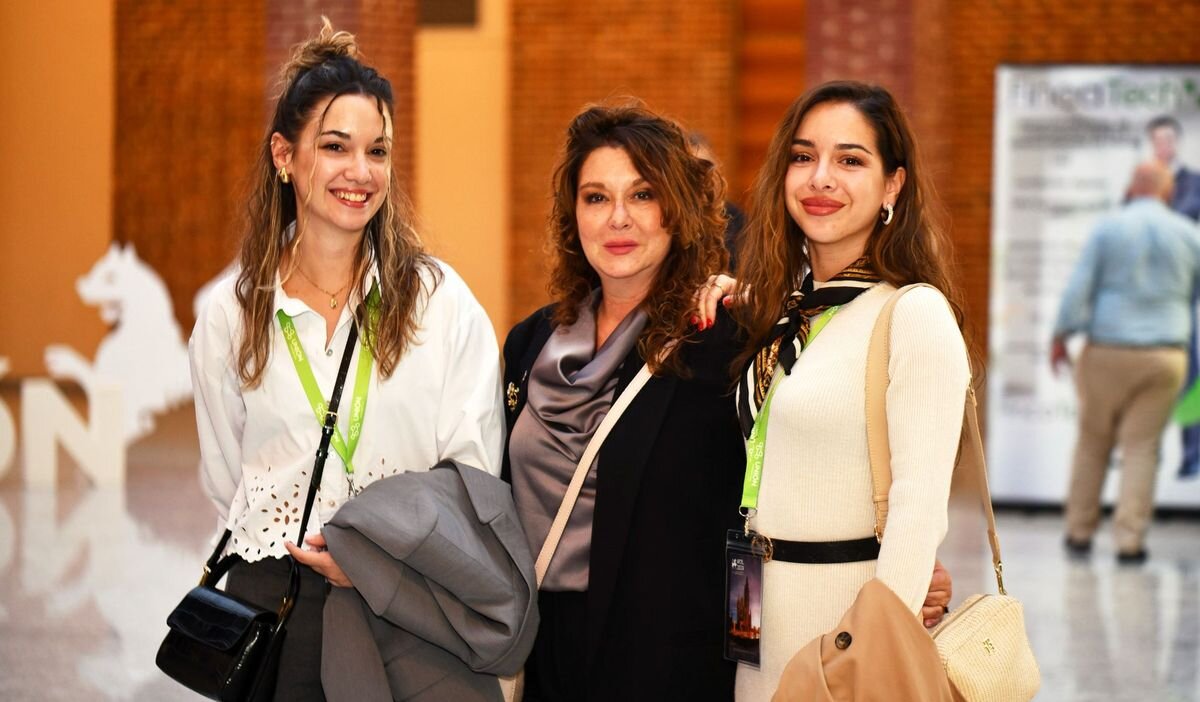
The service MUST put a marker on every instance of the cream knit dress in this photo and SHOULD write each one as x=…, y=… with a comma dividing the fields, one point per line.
x=816, y=483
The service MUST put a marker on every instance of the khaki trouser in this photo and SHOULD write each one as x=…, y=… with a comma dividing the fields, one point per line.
x=1125, y=399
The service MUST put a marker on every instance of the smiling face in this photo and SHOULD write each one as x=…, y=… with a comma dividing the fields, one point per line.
x=835, y=183
x=620, y=224
x=340, y=166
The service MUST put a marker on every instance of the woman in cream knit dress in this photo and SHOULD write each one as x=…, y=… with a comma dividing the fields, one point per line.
x=840, y=219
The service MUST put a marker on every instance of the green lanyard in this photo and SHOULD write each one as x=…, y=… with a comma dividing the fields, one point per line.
x=362, y=381
x=756, y=445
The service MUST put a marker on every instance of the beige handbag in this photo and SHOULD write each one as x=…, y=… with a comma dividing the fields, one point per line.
x=982, y=643
x=513, y=687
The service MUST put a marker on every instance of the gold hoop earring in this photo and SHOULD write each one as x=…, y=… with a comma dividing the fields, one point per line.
x=283, y=175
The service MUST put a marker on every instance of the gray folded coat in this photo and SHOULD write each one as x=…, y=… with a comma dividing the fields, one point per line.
x=444, y=595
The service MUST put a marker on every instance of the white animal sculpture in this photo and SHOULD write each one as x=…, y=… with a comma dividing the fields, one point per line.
x=144, y=352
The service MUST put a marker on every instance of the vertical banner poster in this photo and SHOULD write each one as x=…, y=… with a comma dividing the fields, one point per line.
x=1067, y=139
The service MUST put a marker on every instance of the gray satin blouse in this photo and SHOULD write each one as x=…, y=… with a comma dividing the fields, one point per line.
x=570, y=391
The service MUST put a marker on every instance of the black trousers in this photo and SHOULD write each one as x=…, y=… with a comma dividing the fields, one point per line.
x=556, y=670
x=264, y=583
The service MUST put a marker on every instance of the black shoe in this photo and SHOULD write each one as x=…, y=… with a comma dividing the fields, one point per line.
x=1137, y=557
x=1078, y=549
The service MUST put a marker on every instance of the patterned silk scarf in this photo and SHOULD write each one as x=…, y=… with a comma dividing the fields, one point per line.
x=790, y=334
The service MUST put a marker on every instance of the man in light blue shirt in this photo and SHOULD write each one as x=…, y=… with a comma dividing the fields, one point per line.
x=1131, y=295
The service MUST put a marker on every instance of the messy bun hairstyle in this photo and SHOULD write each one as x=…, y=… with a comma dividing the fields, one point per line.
x=320, y=70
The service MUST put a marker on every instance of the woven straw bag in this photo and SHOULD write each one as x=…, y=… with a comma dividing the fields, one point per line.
x=982, y=643
x=985, y=651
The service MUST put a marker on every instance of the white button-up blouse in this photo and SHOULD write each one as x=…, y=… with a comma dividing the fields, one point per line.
x=257, y=445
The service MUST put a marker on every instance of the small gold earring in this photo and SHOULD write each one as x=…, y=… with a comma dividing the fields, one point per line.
x=283, y=175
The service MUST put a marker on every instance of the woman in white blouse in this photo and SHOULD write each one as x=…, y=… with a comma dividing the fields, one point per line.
x=329, y=244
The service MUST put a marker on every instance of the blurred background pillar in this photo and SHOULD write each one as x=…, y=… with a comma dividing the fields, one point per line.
x=56, y=126
x=463, y=184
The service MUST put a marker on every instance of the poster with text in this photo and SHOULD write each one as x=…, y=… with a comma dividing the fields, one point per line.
x=1067, y=139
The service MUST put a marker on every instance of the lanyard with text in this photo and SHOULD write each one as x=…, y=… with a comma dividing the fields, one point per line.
x=358, y=401
x=756, y=445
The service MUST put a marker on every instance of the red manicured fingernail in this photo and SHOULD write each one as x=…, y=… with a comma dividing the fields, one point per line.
x=694, y=321
x=727, y=300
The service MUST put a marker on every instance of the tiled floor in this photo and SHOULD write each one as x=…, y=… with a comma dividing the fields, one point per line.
x=1101, y=632
x=87, y=577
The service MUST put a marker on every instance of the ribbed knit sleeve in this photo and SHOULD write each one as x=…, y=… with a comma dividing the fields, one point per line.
x=929, y=374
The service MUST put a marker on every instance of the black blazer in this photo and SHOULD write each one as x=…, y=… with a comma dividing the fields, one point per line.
x=667, y=490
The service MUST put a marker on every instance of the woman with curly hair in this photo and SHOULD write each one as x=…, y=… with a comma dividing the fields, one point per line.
x=630, y=604
x=329, y=248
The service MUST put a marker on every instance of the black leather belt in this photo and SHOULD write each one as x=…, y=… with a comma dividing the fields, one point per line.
x=852, y=551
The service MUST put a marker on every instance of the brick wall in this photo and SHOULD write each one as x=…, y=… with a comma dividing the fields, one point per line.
x=771, y=59
x=861, y=41
x=676, y=56
x=188, y=117
x=195, y=83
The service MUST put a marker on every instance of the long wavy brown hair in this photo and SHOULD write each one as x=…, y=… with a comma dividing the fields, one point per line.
x=913, y=248
x=691, y=193
x=320, y=70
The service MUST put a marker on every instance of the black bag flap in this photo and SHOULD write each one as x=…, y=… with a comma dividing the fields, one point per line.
x=215, y=618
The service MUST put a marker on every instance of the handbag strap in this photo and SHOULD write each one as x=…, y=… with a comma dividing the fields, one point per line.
x=970, y=456
x=214, y=565
x=327, y=430
x=581, y=470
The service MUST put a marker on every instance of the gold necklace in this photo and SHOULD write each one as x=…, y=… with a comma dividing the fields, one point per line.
x=333, y=296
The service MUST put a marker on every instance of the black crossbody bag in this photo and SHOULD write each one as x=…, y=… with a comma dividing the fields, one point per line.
x=222, y=646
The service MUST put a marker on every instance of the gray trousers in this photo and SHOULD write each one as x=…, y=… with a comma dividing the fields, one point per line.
x=1125, y=400
x=263, y=583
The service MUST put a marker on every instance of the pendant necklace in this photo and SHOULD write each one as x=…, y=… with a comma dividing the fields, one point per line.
x=333, y=296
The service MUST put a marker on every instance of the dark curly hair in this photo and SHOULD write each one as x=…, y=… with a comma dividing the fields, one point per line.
x=691, y=193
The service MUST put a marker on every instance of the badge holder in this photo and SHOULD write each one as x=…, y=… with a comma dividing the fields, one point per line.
x=745, y=555
x=746, y=552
